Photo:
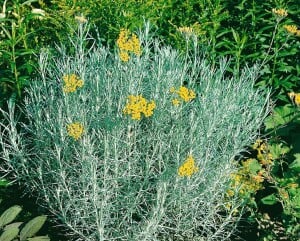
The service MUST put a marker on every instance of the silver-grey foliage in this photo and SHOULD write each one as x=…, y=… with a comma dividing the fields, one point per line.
x=120, y=180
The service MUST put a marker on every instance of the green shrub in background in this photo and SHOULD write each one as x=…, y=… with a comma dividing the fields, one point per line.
x=269, y=184
x=269, y=180
x=110, y=16
x=258, y=33
x=135, y=149
x=19, y=22
x=25, y=27
x=242, y=29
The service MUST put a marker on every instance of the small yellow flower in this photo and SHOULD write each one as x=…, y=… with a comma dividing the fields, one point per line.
x=175, y=102
x=280, y=12
x=258, y=178
x=230, y=193
x=283, y=193
x=183, y=93
x=295, y=97
x=128, y=43
x=138, y=105
x=291, y=29
x=186, y=94
x=188, y=168
x=236, y=177
x=186, y=31
x=291, y=95
x=124, y=56
x=228, y=206
x=81, y=19
x=257, y=144
x=172, y=89
x=266, y=162
x=135, y=42
x=72, y=82
x=75, y=130
x=293, y=185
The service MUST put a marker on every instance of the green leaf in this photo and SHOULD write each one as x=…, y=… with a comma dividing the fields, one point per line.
x=32, y=227
x=13, y=225
x=278, y=149
x=4, y=183
x=254, y=166
x=295, y=165
x=269, y=200
x=281, y=116
x=9, y=234
x=9, y=215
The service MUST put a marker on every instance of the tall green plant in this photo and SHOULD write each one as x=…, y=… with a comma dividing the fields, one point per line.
x=18, y=23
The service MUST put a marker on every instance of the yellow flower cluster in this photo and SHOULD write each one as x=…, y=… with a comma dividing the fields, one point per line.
x=188, y=168
x=138, y=105
x=263, y=153
x=128, y=44
x=295, y=97
x=183, y=93
x=245, y=180
x=75, y=130
x=72, y=82
x=280, y=12
x=81, y=19
x=187, y=31
x=292, y=29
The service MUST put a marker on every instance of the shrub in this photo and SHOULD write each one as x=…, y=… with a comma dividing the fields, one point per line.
x=20, y=23
x=138, y=148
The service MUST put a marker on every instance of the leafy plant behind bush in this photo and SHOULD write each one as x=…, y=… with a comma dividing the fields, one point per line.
x=19, y=23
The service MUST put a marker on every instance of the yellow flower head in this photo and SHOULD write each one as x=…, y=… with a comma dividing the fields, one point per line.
x=186, y=94
x=138, y=105
x=183, y=93
x=186, y=31
x=75, y=130
x=71, y=83
x=124, y=56
x=128, y=43
x=283, y=193
x=81, y=19
x=280, y=12
x=230, y=193
x=293, y=185
x=258, y=178
x=188, y=168
x=291, y=29
x=257, y=144
x=175, y=102
x=295, y=97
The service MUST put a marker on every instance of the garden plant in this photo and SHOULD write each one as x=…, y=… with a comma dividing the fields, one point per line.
x=138, y=143
x=249, y=32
